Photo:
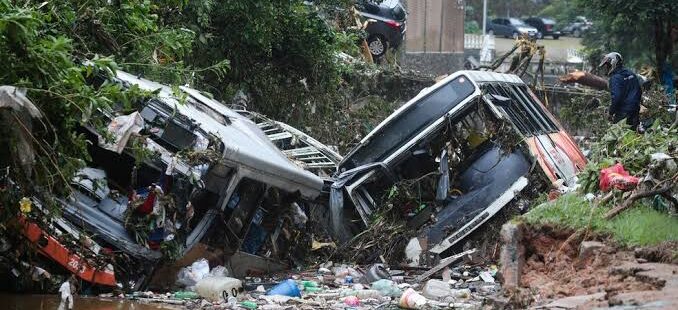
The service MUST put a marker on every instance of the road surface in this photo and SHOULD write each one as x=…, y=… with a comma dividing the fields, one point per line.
x=556, y=50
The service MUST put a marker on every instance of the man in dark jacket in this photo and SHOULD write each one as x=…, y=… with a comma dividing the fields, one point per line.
x=625, y=90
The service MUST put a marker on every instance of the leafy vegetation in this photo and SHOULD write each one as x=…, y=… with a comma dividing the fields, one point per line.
x=283, y=53
x=563, y=11
x=641, y=226
x=43, y=62
x=649, y=221
x=631, y=27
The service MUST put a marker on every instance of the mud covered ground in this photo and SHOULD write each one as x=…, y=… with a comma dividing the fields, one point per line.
x=562, y=270
x=51, y=302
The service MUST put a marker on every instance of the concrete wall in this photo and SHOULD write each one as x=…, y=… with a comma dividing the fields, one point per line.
x=433, y=63
x=434, y=42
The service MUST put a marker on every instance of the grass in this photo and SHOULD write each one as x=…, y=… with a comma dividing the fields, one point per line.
x=639, y=226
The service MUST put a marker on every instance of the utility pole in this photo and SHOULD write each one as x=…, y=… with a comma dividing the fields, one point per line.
x=484, y=17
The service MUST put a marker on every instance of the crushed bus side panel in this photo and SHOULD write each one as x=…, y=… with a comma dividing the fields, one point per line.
x=177, y=177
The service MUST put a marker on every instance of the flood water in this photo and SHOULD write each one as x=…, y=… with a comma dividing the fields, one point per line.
x=51, y=302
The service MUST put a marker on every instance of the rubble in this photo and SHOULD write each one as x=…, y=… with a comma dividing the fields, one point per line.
x=417, y=196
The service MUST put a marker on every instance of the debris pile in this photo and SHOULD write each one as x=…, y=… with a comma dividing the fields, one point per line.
x=338, y=286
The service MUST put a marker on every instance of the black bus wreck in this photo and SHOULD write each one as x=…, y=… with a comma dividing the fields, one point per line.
x=472, y=143
x=181, y=173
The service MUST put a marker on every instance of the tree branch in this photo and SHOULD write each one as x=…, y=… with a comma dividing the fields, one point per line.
x=629, y=202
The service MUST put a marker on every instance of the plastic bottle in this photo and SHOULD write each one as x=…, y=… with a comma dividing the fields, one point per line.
x=287, y=288
x=313, y=289
x=377, y=272
x=186, y=295
x=307, y=284
x=218, y=288
x=368, y=294
x=412, y=300
x=352, y=301
x=362, y=294
x=436, y=289
x=249, y=304
x=387, y=288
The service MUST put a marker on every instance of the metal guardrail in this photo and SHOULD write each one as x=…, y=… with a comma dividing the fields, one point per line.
x=475, y=41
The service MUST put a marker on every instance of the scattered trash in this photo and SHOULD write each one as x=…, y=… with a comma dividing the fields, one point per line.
x=248, y=304
x=286, y=288
x=190, y=275
x=352, y=301
x=487, y=277
x=186, y=295
x=436, y=289
x=386, y=287
x=377, y=272
x=412, y=300
x=218, y=288
x=616, y=177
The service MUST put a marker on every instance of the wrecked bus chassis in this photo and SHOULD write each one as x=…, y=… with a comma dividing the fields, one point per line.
x=230, y=188
x=473, y=141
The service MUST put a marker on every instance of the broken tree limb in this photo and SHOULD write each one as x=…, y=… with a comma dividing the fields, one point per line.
x=584, y=78
x=635, y=196
x=443, y=263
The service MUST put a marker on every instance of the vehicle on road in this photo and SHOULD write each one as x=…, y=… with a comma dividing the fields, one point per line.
x=545, y=27
x=577, y=27
x=387, y=23
x=510, y=28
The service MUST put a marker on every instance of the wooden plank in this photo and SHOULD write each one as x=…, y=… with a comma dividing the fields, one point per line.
x=443, y=263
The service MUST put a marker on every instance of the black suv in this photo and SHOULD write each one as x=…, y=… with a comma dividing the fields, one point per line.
x=388, y=26
x=545, y=27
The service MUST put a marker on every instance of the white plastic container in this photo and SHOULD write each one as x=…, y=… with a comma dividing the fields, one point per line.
x=218, y=288
x=412, y=300
x=436, y=289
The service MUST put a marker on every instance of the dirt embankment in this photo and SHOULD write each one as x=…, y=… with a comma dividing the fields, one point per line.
x=566, y=270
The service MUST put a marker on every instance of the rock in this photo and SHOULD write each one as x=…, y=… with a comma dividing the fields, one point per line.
x=512, y=255
x=577, y=302
x=496, y=301
x=587, y=248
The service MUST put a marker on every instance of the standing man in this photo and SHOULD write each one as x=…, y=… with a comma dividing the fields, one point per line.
x=66, y=291
x=625, y=90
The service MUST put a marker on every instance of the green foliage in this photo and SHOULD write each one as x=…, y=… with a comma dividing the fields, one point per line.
x=276, y=42
x=472, y=27
x=633, y=149
x=640, y=226
x=594, y=122
x=563, y=11
x=40, y=60
x=638, y=29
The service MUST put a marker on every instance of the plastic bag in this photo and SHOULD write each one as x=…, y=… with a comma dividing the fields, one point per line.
x=189, y=276
x=616, y=177
x=219, y=271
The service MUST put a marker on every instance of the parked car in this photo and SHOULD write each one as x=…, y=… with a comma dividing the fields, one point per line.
x=577, y=27
x=387, y=24
x=545, y=27
x=471, y=144
x=510, y=27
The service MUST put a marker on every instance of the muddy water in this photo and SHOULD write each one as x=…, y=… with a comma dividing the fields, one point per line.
x=51, y=302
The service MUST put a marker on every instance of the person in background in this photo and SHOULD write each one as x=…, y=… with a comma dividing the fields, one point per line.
x=625, y=90
x=66, y=293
